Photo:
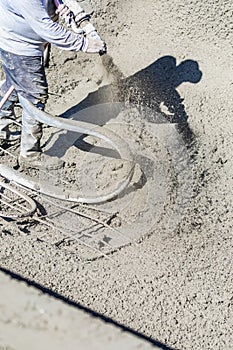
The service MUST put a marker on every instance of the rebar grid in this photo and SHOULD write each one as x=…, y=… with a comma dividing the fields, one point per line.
x=83, y=236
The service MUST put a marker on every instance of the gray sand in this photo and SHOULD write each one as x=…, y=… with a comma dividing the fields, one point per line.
x=175, y=285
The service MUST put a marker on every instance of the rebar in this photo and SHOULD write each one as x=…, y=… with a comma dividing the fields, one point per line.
x=25, y=211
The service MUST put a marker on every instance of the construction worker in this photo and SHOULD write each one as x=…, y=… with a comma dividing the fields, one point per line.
x=25, y=27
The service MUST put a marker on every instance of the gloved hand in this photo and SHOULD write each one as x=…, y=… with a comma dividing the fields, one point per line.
x=65, y=13
x=75, y=17
x=95, y=46
x=68, y=15
x=94, y=42
x=63, y=10
x=79, y=15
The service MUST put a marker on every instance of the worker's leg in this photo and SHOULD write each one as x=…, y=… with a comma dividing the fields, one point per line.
x=27, y=75
x=7, y=115
x=6, y=118
x=36, y=91
x=31, y=134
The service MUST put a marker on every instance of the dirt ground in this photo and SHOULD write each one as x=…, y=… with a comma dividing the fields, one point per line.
x=174, y=285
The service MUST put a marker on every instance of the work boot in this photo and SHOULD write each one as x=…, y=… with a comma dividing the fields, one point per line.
x=41, y=161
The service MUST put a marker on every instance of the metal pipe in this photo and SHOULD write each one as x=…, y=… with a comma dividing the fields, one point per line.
x=80, y=127
x=7, y=95
x=27, y=211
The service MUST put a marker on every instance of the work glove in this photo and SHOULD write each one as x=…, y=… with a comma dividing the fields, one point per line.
x=95, y=46
x=75, y=17
x=65, y=13
x=68, y=15
x=94, y=43
x=77, y=12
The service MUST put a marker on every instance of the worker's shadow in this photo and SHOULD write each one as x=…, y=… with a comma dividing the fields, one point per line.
x=154, y=87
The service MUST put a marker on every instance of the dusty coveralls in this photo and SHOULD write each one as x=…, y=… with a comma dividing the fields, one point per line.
x=25, y=27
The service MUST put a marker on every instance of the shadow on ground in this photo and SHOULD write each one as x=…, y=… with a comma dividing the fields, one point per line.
x=154, y=87
x=84, y=309
x=150, y=87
